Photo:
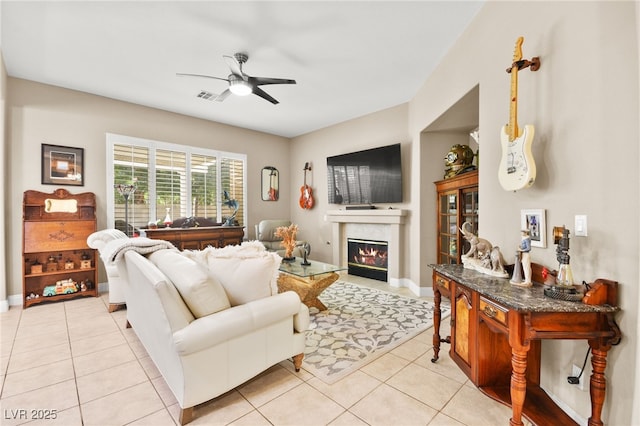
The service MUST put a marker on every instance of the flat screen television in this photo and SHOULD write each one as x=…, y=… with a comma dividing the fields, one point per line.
x=366, y=177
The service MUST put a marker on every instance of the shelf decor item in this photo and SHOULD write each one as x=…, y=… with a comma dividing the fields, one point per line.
x=36, y=268
x=62, y=165
x=288, y=235
x=232, y=203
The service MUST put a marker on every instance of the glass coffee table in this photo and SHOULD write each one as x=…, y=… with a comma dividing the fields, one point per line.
x=308, y=281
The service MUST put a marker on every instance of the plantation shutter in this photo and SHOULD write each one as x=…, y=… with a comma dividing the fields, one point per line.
x=171, y=184
x=130, y=166
x=203, y=186
x=178, y=179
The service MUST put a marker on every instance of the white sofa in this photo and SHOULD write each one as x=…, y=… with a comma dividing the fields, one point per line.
x=212, y=319
x=99, y=240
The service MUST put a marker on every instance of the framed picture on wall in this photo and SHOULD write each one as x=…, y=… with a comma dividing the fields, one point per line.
x=62, y=165
x=534, y=220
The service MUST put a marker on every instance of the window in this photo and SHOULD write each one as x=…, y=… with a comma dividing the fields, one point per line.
x=173, y=180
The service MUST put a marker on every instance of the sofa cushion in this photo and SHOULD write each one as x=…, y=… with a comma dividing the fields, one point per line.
x=141, y=274
x=248, y=272
x=200, y=290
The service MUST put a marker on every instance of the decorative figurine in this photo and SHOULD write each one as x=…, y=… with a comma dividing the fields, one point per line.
x=523, y=251
x=482, y=256
x=459, y=160
x=516, y=278
x=305, y=251
x=232, y=203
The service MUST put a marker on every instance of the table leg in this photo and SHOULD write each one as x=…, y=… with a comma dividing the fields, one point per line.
x=437, y=316
x=518, y=385
x=307, y=289
x=520, y=346
x=598, y=385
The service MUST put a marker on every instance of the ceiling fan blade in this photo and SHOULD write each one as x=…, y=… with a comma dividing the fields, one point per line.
x=259, y=81
x=222, y=96
x=264, y=95
x=233, y=64
x=179, y=74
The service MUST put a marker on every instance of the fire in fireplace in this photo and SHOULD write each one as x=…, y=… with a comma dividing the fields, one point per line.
x=368, y=258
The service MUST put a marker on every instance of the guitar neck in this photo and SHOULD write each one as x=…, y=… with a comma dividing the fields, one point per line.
x=514, y=131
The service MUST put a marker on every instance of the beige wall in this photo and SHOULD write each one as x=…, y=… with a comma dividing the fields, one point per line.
x=378, y=129
x=45, y=114
x=583, y=103
x=4, y=305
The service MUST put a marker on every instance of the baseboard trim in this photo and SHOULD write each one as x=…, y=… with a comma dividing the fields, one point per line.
x=415, y=289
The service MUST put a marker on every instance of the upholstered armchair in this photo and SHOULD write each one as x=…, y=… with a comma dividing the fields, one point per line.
x=266, y=234
x=98, y=240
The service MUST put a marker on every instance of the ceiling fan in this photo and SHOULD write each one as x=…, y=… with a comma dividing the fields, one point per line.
x=240, y=84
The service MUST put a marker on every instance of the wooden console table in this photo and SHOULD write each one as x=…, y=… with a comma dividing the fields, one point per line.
x=198, y=238
x=496, y=333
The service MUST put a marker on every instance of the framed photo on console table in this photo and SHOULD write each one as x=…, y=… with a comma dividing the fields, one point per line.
x=534, y=220
x=62, y=165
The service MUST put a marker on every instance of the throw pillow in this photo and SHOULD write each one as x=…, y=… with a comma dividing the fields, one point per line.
x=200, y=290
x=247, y=272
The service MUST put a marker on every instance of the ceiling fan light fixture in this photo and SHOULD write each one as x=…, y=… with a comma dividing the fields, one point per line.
x=238, y=86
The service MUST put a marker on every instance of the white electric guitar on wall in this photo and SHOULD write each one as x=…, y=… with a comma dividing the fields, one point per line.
x=517, y=168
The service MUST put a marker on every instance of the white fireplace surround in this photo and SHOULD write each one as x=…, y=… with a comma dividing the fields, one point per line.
x=374, y=224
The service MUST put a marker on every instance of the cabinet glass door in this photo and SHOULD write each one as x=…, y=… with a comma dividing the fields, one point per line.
x=448, y=219
x=469, y=213
x=457, y=203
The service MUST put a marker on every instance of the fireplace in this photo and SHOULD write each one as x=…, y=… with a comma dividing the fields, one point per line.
x=368, y=258
x=376, y=224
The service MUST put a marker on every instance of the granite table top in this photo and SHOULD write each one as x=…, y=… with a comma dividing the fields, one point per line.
x=525, y=299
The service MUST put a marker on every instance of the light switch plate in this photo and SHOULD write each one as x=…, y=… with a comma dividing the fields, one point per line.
x=580, y=228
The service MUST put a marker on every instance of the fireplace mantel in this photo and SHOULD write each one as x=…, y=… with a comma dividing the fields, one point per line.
x=386, y=216
x=391, y=219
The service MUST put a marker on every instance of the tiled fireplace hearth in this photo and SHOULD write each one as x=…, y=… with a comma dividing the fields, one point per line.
x=371, y=225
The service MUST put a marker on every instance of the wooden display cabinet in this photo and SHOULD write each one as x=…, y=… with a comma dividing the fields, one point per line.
x=199, y=238
x=457, y=203
x=54, y=246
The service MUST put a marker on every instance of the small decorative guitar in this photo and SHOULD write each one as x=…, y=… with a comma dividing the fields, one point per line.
x=273, y=192
x=517, y=168
x=306, y=196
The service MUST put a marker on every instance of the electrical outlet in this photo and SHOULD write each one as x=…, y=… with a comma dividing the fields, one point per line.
x=575, y=373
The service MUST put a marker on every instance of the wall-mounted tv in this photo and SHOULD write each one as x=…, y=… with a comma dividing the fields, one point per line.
x=366, y=177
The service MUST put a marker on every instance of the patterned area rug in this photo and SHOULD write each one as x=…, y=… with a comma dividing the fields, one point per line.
x=360, y=325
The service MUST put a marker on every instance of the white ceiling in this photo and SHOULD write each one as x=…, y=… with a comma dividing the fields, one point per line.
x=349, y=58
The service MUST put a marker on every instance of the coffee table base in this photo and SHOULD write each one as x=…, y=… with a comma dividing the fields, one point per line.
x=307, y=288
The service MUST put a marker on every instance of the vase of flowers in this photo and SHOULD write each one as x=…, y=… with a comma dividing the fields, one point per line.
x=288, y=235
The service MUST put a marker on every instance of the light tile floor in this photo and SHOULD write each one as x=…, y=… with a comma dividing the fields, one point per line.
x=77, y=360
